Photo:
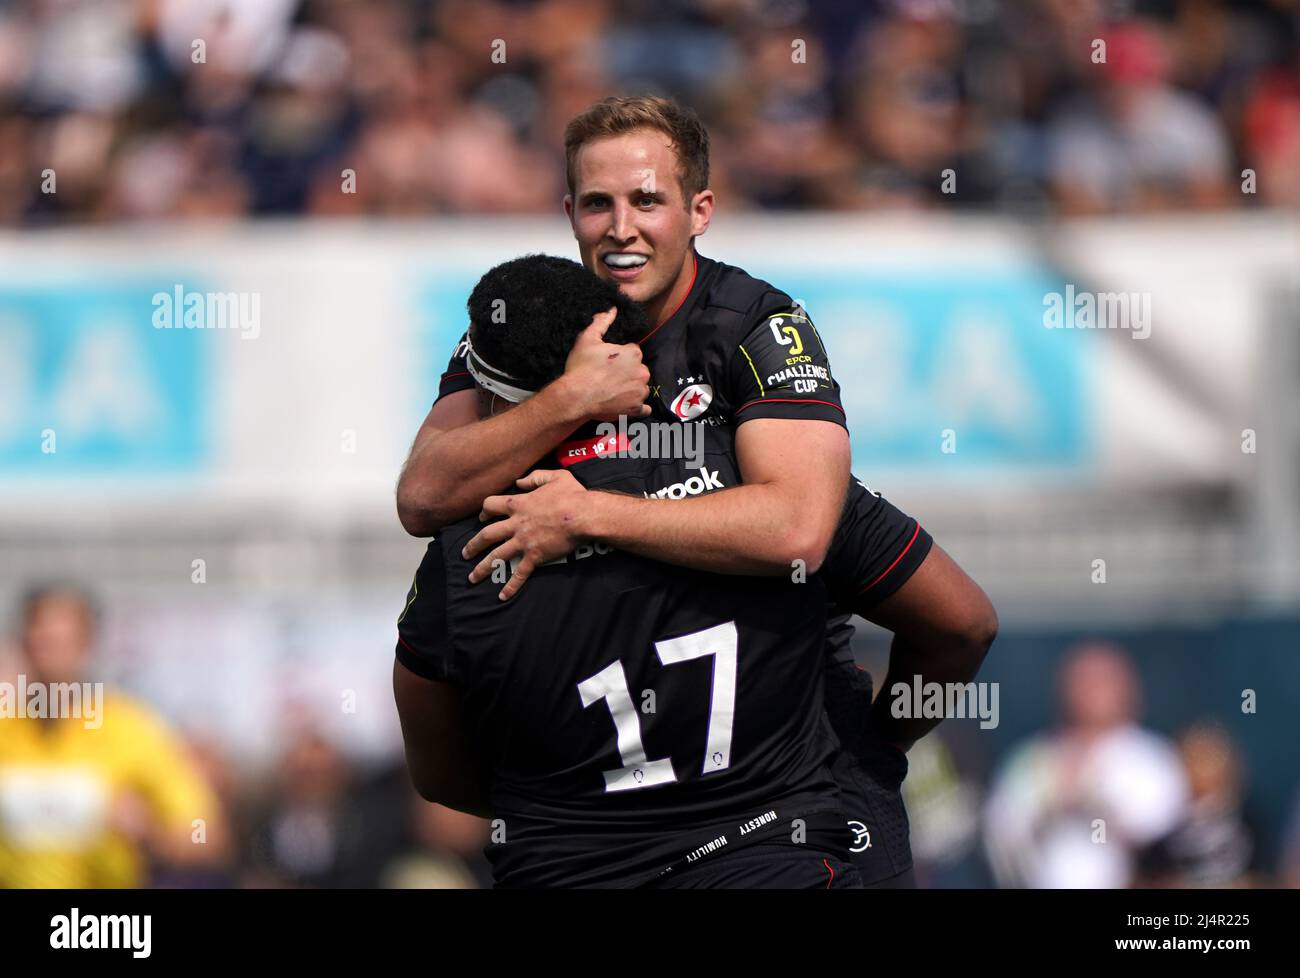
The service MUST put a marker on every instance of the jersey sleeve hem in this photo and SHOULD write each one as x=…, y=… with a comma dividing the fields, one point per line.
x=421, y=665
x=790, y=409
x=898, y=572
x=453, y=382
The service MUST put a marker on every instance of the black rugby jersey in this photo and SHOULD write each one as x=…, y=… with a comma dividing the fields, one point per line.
x=575, y=833
x=633, y=714
x=735, y=349
x=875, y=550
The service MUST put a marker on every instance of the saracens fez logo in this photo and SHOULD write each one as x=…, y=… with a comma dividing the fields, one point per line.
x=692, y=401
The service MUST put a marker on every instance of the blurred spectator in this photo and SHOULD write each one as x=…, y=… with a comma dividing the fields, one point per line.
x=447, y=853
x=942, y=795
x=1134, y=142
x=1272, y=134
x=322, y=822
x=101, y=794
x=1073, y=808
x=907, y=111
x=309, y=830
x=1214, y=845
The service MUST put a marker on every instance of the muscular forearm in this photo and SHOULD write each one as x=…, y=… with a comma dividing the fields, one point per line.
x=450, y=472
x=750, y=529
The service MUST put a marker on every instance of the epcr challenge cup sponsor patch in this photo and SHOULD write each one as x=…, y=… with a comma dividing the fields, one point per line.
x=692, y=401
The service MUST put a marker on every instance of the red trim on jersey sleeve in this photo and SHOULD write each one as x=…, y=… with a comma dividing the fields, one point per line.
x=786, y=400
x=915, y=534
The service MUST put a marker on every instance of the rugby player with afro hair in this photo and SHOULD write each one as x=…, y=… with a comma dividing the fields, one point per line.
x=526, y=314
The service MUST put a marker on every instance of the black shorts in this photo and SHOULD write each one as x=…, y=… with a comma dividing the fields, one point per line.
x=776, y=866
x=871, y=794
x=819, y=861
x=870, y=777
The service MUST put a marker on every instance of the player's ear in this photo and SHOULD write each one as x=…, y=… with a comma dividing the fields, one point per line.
x=568, y=207
x=701, y=212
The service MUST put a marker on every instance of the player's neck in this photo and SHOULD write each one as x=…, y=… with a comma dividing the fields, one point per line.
x=662, y=308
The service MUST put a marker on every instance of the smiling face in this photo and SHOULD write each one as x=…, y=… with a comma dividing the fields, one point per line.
x=631, y=220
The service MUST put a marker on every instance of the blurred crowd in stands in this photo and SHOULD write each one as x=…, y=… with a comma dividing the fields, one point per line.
x=1097, y=801
x=144, y=109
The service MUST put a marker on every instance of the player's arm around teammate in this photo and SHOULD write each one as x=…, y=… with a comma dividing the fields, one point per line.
x=459, y=457
x=782, y=518
x=786, y=511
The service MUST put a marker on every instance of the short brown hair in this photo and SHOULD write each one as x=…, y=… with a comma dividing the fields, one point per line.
x=618, y=114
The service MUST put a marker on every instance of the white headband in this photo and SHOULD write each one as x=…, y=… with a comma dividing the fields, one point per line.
x=488, y=377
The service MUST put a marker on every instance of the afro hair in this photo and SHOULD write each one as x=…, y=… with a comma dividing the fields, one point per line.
x=525, y=315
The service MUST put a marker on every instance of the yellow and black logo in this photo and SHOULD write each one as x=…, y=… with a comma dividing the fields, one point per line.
x=787, y=335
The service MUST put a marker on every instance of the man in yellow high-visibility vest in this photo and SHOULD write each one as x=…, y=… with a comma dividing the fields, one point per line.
x=95, y=789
